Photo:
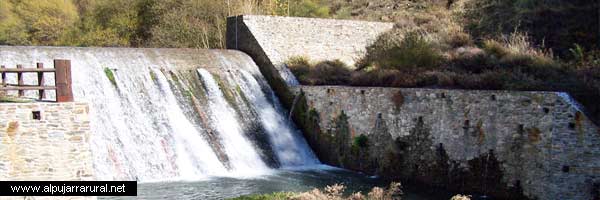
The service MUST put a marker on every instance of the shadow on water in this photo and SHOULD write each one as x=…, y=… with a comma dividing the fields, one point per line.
x=280, y=180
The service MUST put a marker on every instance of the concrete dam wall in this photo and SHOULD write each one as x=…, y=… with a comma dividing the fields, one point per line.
x=506, y=144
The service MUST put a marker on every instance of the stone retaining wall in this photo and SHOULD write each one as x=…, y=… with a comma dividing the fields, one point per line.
x=510, y=145
x=55, y=147
x=501, y=143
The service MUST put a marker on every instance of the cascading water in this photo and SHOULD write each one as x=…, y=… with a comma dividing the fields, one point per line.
x=138, y=129
x=243, y=156
x=290, y=147
x=143, y=126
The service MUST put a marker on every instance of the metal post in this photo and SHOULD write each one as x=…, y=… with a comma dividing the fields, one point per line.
x=20, y=80
x=62, y=80
x=42, y=93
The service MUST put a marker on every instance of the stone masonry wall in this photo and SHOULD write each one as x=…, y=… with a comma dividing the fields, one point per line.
x=280, y=38
x=502, y=143
x=52, y=148
x=511, y=145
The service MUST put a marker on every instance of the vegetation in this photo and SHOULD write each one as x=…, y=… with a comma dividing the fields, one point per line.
x=360, y=141
x=471, y=44
x=557, y=24
x=334, y=192
x=327, y=72
x=461, y=197
x=458, y=45
x=111, y=77
x=272, y=196
x=135, y=23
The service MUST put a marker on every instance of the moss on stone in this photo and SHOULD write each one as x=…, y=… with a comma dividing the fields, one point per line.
x=173, y=76
x=241, y=93
x=153, y=76
x=110, y=75
x=188, y=94
x=227, y=94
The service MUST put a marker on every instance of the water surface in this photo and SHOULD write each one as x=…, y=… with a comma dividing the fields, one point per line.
x=280, y=180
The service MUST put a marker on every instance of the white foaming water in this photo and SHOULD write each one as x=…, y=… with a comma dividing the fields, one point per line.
x=289, y=146
x=242, y=155
x=140, y=130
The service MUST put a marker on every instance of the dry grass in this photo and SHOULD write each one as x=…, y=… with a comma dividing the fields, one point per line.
x=461, y=197
x=335, y=192
x=323, y=73
x=430, y=48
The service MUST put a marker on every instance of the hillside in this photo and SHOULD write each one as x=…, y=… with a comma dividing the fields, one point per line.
x=483, y=44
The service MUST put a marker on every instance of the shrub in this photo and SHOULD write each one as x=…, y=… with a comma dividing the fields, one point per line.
x=457, y=39
x=309, y=8
x=300, y=67
x=323, y=73
x=495, y=48
x=330, y=72
x=31, y=22
x=360, y=141
x=335, y=192
x=461, y=197
x=412, y=53
x=472, y=60
x=570, y=21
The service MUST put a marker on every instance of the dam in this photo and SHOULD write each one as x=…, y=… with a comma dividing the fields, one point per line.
x=168, y=113
x=215, y=124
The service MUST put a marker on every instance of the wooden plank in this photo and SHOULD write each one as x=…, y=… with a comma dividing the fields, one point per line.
x=17, y=85
x=64, y=92
x=20, y=80
x=28, y=88
x=15, y=70
x=3, y=75
x=41, y=93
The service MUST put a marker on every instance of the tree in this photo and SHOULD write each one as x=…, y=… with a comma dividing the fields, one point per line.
x=309, y=8
x=36, y=22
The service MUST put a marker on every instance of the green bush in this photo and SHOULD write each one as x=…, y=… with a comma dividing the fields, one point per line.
x=32, y=22
x=309, y=8
x=360, y=141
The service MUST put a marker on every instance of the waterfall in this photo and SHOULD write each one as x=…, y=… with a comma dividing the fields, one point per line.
x=150, y=123
x=290, y=147
x=243, y=157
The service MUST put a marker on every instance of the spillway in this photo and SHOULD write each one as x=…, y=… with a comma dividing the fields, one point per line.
x=174, y=114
